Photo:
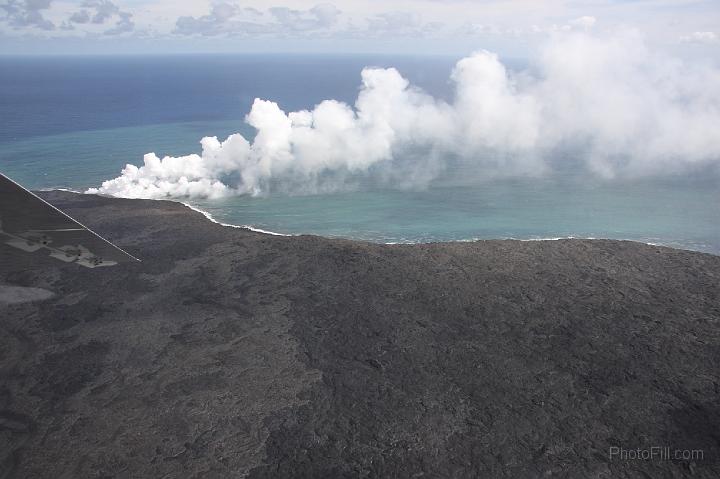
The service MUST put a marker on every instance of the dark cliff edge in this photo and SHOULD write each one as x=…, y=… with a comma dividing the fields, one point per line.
x=231, y=353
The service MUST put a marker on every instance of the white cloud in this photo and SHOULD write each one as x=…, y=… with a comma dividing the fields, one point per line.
x=394, y=21
x=103, y=10
x=395, y=24
x=481, y=29
x=229, y=19
x=320, y=16
x=585, y=22
x=700, y=37
x=82, y=17
x=439, y=26
x=27, y=13
x=124, y=24
x=94, y=13
x=620, y=108
x=30, y=15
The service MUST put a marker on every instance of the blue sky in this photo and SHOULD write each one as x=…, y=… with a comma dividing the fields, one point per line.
x=456, y=27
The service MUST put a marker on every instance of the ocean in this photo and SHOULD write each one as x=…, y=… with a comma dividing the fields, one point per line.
x=72, y=122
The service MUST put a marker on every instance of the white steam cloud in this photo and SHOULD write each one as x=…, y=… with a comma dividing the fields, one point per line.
x=618, y=107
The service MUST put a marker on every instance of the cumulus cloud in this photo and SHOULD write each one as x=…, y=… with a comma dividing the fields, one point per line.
x=610, y=104
x=124, y=24
x=391, y=24
x=320, y=16
x=229, y=19
x=211, y=24
x=700, y=37
x=27, y=13
x=393, y=21
x=104, y=9
x=82, y=17
x=482, y=29
x=585, y=22
x=99, y=12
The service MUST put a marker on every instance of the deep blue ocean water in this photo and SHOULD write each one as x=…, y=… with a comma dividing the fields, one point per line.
x=72, y=122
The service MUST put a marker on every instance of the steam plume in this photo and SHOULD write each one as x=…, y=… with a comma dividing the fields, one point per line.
x=621, y=108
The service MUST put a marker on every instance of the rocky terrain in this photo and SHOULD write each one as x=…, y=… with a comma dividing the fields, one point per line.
x=230, y=353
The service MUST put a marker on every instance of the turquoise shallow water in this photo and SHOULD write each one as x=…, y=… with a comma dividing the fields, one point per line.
x=675, y=212
x=82, y=159
x=75, y=123
x=669, y=213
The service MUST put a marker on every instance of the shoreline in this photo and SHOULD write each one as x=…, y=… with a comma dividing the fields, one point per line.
x=229, y=225
x=210, y=217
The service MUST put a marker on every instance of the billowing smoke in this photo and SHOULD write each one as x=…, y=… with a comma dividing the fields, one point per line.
x=619, y=108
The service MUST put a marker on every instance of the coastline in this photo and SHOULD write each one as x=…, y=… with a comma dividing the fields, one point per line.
x=247, y=354
x=247, y=227
x=468, y=240
x=210, y=217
